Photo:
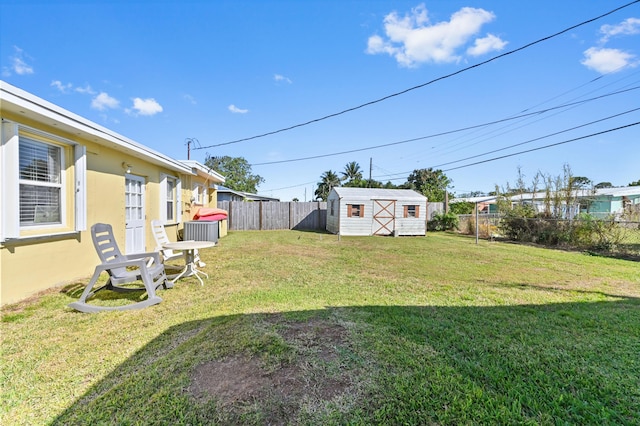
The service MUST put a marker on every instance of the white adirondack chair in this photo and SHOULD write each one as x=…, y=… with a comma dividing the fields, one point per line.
x=122, y=269
x=168, y=255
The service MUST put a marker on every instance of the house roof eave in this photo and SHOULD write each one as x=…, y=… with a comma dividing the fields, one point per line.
x=25, y=104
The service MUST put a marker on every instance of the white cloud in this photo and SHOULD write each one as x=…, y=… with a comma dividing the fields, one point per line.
x=64, y=88
x=278, y=77
x=18, y=64
x=67, y=88
x=237, y=110
x=486, y=44
x=146, y=106
x=21, y=67
x=413, y=39
x=629, y=26
x=103, y=101
x=605, y=60
x=86, y=90
x=189, y=99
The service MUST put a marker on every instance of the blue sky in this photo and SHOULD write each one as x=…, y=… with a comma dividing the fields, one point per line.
x=163, y=72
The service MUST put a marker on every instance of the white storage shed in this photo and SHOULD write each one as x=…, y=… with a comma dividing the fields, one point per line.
x=376, y=211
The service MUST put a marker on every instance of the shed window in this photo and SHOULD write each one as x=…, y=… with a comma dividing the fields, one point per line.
x=332, y=208
x=355, y=210
x=412, y=211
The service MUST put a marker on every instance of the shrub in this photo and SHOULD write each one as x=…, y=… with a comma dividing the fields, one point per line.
x=461, y=207
x=584, y=231
x=443, y=222
x=598, y=234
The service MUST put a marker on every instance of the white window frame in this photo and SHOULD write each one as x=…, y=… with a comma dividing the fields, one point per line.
x=58, y=184
x=198, y=194
x=177, y=210
x=10, y=228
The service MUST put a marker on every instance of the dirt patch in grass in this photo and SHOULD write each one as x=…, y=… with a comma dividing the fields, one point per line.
x=315, y=375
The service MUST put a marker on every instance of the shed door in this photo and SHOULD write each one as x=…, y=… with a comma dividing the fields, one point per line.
x=384, y=218
x=134, y=214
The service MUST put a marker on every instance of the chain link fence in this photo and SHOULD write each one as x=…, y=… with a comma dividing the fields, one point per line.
x=619, y=236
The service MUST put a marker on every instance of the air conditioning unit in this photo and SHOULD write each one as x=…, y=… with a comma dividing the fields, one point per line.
x=200, y=230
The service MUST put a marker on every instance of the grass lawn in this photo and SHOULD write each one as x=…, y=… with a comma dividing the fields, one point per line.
x=301, y=328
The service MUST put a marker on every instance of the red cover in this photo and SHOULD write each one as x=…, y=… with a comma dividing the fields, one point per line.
x=207, y=213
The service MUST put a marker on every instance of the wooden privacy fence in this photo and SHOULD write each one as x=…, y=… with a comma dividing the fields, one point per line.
x=273, y=215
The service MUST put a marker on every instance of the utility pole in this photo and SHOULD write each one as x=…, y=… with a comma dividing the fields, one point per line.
x=188, y=142
x=370, y=167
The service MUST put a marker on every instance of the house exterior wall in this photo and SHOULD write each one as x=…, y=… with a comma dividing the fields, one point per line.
x=227, y=196
x=35, y=256
x=30, y=265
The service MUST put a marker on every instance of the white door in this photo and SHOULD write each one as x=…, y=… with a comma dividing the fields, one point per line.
x=384, y=217
x=134, y=214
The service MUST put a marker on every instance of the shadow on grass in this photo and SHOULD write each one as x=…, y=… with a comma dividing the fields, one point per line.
x=106, y=297
x=573, y=363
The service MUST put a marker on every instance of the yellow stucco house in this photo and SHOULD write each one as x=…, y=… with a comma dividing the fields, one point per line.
x=61, y=173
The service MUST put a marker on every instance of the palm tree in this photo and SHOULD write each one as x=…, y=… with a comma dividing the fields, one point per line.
x=352, y=172
x=329, y=179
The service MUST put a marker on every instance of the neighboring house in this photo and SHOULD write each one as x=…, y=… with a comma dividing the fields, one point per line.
x=61, y=173
x=601, y=203
x=227, y=194
x=376, y=211
x=613, y=201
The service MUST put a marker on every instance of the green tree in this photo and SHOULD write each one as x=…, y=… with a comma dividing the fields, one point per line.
x=607, y=185
x=328, y=180
x=236, y=171
x=431, y=183
x=461, y=207
x=636, y=183
x=580, y=182
x=352, y=173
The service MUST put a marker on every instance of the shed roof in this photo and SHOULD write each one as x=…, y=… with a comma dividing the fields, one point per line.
x=378, y=194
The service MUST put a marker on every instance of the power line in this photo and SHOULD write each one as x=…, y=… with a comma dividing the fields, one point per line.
x=292, y=186
x=520, y=152
x=486, y=136
x=313, y=157
x=544, y=147
x=523, y=143
x=424, y=84
x=538, y=148
x=539, y=138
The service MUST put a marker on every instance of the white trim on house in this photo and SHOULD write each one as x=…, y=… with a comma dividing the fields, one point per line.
x=10, y=227
x=177, y=201
x=23, y=103
x=203, y=171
